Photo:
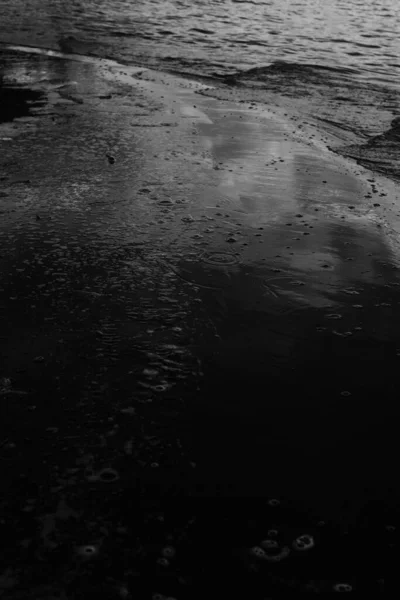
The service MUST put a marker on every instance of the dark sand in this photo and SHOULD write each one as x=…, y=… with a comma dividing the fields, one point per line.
x=198, y=315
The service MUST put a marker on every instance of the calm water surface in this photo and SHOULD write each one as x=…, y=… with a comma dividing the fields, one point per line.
x=217, y=36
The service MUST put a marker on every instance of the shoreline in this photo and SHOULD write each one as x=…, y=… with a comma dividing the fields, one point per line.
x=366, y=141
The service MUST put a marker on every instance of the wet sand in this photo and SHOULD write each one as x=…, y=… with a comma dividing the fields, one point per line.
x=198, y=315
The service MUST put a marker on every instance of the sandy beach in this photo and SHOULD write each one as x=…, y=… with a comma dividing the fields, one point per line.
x=198, y=313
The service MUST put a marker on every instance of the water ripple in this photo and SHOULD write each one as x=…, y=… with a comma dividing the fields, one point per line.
x=328, y=33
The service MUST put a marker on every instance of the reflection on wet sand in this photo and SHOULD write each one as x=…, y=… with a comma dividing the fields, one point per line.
x=299, y=316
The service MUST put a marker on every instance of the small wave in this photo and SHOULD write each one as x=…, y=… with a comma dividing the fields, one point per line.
x=299, y=77
x=339, y=41
x=341, y=102
x=250, y=42
x=205, y=31
x=361, y=45
x=250, y=2
x=379, y=153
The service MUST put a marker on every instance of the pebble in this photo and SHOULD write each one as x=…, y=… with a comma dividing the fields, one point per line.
x=128, y=411
x=342, y=587
x=168, y=552
x=258, y=552
x=106, y=475
x=88, y=551
x=163, y=562
x=273, y=502
x=269, y=544
x=304, y=542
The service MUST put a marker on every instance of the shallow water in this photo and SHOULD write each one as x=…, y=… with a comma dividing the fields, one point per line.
x=340, y=58
x=217, y=36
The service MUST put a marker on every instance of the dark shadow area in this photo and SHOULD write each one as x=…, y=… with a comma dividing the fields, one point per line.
x=16, y=101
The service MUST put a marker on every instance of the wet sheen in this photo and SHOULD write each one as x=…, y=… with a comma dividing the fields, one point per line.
x=215, y=37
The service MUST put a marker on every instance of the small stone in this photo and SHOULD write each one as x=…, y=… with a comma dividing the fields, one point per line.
x=258, y=552
x=284, y=553
x=163, y=562
x=273, y=533
x=168, y=552
x=128, y=411
x=351, y=292
x=89, y=551
x=106, y=475
x=342, y=587
x=304, y=542
x=124, y=592
x=274, y=502
x=150, y=372
x=128, y=447
x=269, y=544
